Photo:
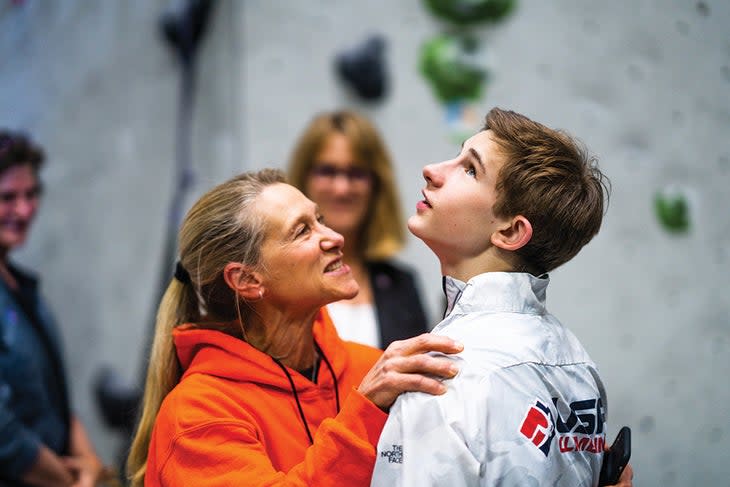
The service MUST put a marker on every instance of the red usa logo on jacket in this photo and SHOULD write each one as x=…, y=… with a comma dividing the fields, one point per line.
x=581, y=430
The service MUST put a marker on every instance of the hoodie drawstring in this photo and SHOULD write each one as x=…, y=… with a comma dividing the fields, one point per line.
x=296, y=396
x=332, y=373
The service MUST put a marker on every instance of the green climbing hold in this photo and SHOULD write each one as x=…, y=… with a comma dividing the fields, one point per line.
x=450, y=64
x=672, y=210
x=466, y=12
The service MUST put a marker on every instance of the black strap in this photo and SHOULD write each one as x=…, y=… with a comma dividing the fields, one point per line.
x=296, y=396
x=332, y=373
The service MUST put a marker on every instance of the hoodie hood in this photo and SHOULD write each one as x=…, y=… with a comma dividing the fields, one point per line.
x=218, y=354
x=234, y=397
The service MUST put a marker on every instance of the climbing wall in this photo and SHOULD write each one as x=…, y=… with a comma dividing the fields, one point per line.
x=646, y=86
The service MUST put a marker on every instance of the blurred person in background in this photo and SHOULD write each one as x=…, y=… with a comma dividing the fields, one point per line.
x=248, y=381
x=41, y=442
x=342, y=164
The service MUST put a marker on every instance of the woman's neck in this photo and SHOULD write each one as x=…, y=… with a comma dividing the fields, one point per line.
x=287, y=339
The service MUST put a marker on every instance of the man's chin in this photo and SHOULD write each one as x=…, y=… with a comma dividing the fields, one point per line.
x=416, y=227
x=413, y=224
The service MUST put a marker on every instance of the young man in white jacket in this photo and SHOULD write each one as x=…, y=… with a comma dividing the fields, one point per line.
x=527, y=407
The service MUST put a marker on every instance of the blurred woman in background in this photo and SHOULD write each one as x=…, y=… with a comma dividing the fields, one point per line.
x=41, y=442
x=341, y=163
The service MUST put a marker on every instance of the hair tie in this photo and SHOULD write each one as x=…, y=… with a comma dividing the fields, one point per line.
x=181, y=274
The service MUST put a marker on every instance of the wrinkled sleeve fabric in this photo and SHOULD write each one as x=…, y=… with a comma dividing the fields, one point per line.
x=423, y=443
x=19, y=446
x=229, y=453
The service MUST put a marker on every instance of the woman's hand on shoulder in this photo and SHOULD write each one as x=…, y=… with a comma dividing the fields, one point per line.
x=406, y=366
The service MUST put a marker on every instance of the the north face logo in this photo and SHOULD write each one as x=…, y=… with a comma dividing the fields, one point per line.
x=394, y=455
x=538, y=426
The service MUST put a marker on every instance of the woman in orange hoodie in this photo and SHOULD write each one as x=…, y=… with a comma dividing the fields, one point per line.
x=248, y=382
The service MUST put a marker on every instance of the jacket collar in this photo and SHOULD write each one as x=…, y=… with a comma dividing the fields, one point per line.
x=514, y=292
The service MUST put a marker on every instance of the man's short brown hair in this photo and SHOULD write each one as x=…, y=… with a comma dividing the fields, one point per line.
x=548, y=178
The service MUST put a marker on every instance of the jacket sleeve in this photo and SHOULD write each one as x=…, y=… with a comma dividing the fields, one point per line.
x=230, y=454
x=423, y=443
x=19, y=446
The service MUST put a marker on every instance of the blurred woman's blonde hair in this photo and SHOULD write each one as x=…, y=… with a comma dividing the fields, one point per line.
x=384, y=227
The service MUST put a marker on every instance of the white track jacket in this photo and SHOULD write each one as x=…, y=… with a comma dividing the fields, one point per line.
x=527, y=407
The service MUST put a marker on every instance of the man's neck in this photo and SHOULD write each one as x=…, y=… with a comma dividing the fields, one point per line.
x=464, y=269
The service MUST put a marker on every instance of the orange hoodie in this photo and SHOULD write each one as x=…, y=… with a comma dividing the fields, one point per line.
x=233, y=419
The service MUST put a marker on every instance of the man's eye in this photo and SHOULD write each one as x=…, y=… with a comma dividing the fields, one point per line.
x=303, y=230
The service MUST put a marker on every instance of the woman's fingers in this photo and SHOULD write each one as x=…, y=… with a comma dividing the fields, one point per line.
x=383, y=390
x=423, y=363
x=425, y=342
x=406, y=366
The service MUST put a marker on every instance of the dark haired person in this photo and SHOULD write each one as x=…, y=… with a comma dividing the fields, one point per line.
x=527, y=406
x=41, y=442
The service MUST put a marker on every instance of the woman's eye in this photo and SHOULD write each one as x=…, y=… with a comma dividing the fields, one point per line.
x=470, y=171
x=303, y=230
x=320, y=219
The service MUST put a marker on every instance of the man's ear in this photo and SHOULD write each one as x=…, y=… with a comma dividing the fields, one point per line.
x=243, y=281
x=513, y=235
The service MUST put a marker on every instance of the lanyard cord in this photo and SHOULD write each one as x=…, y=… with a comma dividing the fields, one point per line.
x=332, y=373
x=296, y=396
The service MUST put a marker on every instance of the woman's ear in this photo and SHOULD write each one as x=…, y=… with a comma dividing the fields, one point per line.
x=243, y=281
x=513, y=235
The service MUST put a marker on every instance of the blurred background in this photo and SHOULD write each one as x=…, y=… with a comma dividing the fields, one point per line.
x=646, y=86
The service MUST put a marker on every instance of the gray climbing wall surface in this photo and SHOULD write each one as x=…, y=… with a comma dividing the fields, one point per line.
x=646, y=85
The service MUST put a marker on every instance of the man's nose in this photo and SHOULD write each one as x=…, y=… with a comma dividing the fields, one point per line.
x=433, y=173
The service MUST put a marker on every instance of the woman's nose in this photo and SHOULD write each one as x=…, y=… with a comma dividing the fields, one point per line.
x=331, y=239
x=341, y=183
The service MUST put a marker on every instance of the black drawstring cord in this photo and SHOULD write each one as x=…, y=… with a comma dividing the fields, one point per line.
x=296, y=396
x=332, y=373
